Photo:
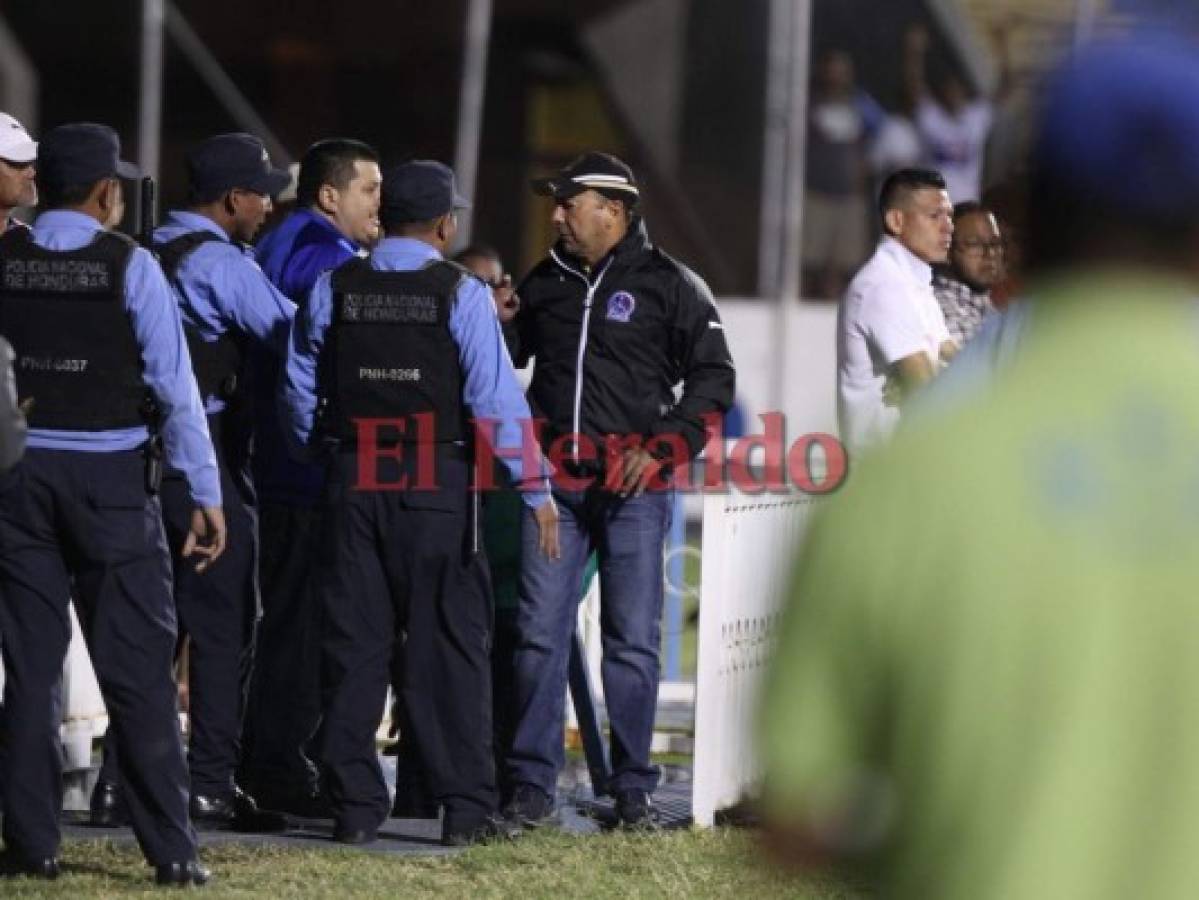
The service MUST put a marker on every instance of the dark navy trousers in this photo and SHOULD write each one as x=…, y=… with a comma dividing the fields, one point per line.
x=82, y=524
x=405, y=563
x=217, y=611
x=283, y=708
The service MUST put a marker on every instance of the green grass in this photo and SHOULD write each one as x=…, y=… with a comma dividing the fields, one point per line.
x=685, y=864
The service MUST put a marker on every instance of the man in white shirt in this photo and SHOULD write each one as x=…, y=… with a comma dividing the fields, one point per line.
x=891, y=334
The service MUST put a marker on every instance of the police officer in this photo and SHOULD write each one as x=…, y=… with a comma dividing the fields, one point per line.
x=412, y=340
x=94, y=324
x=226, y=302
x=615, y=324
x=337, y=216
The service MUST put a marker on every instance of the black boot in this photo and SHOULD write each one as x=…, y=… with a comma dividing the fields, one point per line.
x=107, y=806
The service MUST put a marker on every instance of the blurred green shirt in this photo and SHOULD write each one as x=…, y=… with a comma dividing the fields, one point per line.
x=987, y=684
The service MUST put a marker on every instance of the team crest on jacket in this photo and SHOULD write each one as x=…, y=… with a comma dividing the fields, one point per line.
x=621, y=306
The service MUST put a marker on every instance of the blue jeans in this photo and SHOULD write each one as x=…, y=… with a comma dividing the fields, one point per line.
x=628, y=535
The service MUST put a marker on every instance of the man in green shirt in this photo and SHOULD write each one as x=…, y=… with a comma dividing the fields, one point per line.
x=987, y=684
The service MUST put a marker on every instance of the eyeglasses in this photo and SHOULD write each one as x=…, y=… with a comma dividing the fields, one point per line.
x=978, y=248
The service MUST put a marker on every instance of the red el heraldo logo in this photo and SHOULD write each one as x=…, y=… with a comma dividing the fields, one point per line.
x=815, y=463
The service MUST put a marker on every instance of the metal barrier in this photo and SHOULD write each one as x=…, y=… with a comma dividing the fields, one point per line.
x=748, y=545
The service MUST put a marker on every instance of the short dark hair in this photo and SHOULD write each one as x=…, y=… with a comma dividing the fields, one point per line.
x=900, y=185
x=477, y=251
x=60, y=196
x=969, y=208
x=330, y=162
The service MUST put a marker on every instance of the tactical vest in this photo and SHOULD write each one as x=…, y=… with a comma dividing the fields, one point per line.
x=64, y=313
x=389, y=351
x=217, y=364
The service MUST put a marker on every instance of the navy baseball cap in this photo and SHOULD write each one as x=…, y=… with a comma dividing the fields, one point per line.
x=81, y=153
x=418, y=191
x=593, y=171
x=1120, y=128
x=229, y=161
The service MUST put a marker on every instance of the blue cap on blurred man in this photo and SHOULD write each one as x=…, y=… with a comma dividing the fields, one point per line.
x=1119, y=128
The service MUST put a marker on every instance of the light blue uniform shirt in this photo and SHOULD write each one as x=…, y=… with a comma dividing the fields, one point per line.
x=166, y=365
x=221, y=287
x=490, y=388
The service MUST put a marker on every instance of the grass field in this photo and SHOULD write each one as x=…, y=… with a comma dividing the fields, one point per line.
x=716, y=863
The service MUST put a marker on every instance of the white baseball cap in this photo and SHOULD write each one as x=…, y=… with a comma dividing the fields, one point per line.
x=15, y=143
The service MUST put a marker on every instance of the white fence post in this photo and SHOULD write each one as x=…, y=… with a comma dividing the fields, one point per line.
x=748, y=546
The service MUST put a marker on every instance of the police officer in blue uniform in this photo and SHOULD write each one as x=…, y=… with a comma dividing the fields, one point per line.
x=227, y=303
x=337, y=216
x=96, y=331
x=411, y=339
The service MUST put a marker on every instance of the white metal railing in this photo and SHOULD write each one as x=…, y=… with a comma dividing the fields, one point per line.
x=749, y=542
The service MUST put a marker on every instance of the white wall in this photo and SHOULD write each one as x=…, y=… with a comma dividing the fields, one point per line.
x=800, y=357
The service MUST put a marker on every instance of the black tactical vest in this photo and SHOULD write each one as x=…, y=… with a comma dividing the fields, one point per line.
x=389, y=351
x=64, y=313
x=217, y=364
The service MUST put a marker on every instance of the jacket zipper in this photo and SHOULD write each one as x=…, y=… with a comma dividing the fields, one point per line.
x=591, y=289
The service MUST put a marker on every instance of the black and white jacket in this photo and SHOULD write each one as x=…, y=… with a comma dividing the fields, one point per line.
x=612, y=344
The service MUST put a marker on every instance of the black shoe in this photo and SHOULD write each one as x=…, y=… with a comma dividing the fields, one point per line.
x=635, y=809
x=312, y=804
x=237, y=811
x=107, y=806
x=529, y=807
x=181, y=873
x=46, y=867
x=208, y=810
x=348, y=834
x=490, y=829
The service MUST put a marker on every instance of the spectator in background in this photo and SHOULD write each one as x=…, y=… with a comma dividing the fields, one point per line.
x=841, y=119
x=1002, y=704
x=953, y=126
x=963, y=286
x=889, y=327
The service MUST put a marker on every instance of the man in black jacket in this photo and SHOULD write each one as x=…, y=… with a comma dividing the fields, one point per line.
x=615, y=325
